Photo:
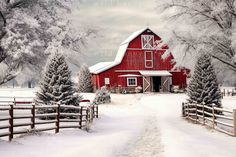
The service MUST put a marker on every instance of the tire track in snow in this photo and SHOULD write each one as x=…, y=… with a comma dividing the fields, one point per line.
x=148, y=143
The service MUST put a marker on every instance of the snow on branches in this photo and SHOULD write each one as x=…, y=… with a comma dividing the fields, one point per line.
x=203, y=87
x=31, y=30
x=206, y=27
x=56, y=85
x=102, y=96
x=84, y=80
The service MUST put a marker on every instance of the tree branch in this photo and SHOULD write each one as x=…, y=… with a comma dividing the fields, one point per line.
x=225, y=62
x=3, y=18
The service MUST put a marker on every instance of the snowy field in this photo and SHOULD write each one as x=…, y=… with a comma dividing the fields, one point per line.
x=141, y=125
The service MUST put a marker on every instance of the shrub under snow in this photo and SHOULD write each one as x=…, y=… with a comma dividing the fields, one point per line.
x=102, y=96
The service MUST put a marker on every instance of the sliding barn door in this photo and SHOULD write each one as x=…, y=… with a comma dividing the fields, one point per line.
x=147, y=84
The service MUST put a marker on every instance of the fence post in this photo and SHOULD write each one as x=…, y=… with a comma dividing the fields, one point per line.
x=234, y=116
x=87, y=114
x=58, y=119
x=196, y=113
x=81, y=117
x=91, y=114
x=203, y=113
x=187, y=109
x=213, y=117
x=93, y=110
x=183, y=111
x=11, y=123
x=14, y=101
x=96, y=111
x=33, y=117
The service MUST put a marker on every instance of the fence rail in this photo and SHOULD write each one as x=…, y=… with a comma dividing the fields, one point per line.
x=16, y=100
x=220, y=119
x=10, y=120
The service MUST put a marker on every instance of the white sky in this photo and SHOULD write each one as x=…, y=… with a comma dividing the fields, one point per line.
x=115, y=21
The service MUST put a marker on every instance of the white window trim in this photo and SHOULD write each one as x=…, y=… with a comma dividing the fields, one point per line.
x=107, y=81
x=142, y=36
x=145, y=59
x=128, y=78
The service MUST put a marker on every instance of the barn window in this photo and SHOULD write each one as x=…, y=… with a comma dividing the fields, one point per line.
x=107, y=81
x=148, y=59
x=147, y=41
x=132, y=81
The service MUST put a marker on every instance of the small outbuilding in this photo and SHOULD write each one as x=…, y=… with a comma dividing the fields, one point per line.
x=139, y=64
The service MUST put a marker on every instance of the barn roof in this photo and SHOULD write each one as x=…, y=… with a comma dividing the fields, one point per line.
x=103, y=66
x=100, y=67
x=134, y=35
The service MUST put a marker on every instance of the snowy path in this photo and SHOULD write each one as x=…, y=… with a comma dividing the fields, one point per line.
x=149, y=143
x=145, y=125
x=168, y=134
x=181, y=138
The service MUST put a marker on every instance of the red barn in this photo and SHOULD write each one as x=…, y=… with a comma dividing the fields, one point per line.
x=139, y=63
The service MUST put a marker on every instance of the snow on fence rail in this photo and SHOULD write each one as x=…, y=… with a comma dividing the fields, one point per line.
x=220, y=119
x=16, y=100
x=9, y=114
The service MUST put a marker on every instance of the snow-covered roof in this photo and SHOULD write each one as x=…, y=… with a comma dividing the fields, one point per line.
x=103, y=66
x=134, y=35
x=100, y=67
x=155, y=73
x=121, y=52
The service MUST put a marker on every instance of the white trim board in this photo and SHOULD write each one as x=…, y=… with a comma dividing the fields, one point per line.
x=136, y=81
x=145, y=59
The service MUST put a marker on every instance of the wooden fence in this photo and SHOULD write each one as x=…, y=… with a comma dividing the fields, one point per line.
x=228, y=92
x=221, y=119
x=16, y=100
x=83, y=117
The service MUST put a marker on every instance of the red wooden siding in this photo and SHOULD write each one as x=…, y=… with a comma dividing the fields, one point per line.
x=134, y=60
x=179, y=79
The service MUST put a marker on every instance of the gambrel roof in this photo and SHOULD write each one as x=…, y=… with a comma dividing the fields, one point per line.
x=103, y=66
x=133, y=36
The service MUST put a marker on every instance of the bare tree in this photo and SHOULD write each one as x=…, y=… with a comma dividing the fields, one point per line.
x=211, y=27
x=31, y=30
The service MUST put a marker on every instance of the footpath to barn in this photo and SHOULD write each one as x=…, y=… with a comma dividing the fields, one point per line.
x=167, y=134
x=148, y=144
x=133, y=125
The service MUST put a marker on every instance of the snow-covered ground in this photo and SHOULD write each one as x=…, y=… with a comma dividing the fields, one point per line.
x=20, y=94
x=141, y=125
x=229, y=102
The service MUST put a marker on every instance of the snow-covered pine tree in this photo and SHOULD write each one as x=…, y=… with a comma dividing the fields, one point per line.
x=56, y=85
x=203, y=87
x=84, y=80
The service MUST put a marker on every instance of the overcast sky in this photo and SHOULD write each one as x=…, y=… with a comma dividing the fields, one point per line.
x=115, y=21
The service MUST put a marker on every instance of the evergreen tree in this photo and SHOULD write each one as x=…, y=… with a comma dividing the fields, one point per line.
x=84, y=80
x=203, y=87
x=56, y=85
